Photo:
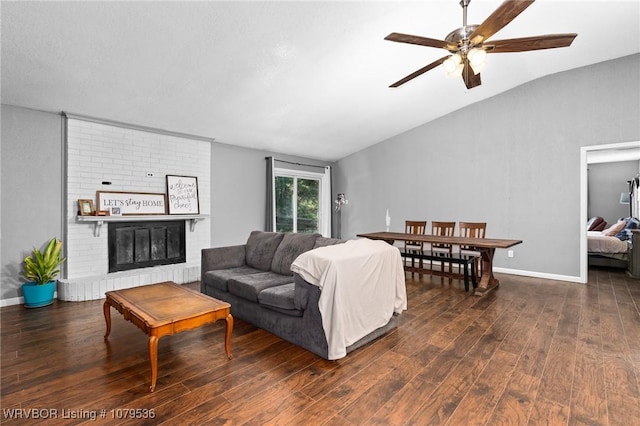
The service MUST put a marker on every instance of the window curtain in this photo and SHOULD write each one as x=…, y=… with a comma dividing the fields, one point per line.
x=270, y=210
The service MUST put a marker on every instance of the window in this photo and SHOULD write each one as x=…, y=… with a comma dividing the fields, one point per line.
x=302, y=202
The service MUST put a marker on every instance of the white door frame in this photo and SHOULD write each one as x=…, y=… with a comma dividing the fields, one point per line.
x=614, y=155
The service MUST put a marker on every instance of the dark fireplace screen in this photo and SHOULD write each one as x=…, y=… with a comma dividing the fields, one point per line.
x=142, y=244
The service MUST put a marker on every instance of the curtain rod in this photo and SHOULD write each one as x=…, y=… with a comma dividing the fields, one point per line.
x=298, y=164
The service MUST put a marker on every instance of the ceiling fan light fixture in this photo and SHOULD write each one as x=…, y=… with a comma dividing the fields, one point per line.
x=457, y=72
x=477, y=57
x=451, y=63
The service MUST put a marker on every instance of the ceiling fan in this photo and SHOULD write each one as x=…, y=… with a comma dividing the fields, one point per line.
x=468, y=44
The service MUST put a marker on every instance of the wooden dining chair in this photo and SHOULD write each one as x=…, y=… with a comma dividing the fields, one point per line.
x=415, y=227
x=473, y=230
x=445, y=229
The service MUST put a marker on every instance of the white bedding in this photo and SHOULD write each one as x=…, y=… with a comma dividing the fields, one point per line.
x=362, y=285
x=598, y=243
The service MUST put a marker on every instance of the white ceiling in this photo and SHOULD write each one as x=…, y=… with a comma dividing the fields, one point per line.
x=303, y=78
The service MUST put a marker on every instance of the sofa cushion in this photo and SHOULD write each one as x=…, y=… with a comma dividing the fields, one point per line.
x=280, y=298
x=292, y=246
x=261, y=246
x=218, y=278
x=324, y=241
x=249, y=286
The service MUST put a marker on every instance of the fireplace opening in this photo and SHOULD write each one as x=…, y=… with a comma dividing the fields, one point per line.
x=135, y=245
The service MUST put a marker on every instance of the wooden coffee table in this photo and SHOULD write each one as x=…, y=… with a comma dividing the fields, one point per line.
x=164, y=309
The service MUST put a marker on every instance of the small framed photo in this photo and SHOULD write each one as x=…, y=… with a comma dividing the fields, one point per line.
x=115, y=211
x=85, y=207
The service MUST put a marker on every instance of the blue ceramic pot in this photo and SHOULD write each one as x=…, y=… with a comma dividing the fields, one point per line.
x=37, y=295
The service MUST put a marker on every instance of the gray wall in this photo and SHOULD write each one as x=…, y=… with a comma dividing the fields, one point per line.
x=512, y=161
x=606, y=182
x=31, y=188
x=238, y=191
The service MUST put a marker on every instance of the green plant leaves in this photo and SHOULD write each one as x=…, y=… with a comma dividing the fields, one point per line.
x=42, y=267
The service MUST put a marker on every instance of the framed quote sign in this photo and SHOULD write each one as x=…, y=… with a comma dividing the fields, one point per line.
x=182, y=195
x=132, y=203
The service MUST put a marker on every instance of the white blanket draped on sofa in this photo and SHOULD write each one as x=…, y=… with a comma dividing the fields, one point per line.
x=362, y=285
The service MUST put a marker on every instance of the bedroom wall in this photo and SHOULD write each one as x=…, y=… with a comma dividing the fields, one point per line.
x=606, y=182
x=519, y=172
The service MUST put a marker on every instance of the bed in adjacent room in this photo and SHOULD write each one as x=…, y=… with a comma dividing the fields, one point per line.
x=612, y=246
x=607, y=251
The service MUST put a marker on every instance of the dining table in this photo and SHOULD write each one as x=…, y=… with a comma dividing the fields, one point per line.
x=485, y=246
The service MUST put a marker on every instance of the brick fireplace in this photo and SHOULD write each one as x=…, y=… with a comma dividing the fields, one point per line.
x=104, y=156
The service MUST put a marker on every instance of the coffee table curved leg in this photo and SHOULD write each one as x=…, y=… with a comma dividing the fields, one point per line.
x=153, y=358
x=227, y=336
x=106, y=308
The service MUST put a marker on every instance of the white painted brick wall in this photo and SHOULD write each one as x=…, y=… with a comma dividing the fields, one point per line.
x=99, y=152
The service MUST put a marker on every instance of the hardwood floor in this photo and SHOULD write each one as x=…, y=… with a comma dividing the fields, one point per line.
x=532, y=352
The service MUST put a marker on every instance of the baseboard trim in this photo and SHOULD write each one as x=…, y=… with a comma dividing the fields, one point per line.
x=11, y=302
x=18, y=300
x=542, y=275
x=531, y=274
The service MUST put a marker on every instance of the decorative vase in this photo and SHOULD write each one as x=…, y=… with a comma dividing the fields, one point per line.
x=38, y=295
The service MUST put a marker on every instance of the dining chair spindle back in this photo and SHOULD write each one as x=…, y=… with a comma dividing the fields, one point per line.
x=473, y=230
x=415, y=227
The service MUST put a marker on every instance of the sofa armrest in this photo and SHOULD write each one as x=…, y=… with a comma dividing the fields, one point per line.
x=301, y=292
x=222, y=258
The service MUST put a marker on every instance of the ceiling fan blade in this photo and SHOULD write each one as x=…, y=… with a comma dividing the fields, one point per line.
x=471, y=80
x=500, y=17
x=419, y=72
x=422, y=41
x=550, y=41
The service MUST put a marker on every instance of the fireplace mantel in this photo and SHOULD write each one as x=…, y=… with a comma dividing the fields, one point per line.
x=98, y=221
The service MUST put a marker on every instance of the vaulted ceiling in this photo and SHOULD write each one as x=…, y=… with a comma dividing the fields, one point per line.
x=303, y=78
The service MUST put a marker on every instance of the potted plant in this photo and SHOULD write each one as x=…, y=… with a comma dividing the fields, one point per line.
x=41, y=269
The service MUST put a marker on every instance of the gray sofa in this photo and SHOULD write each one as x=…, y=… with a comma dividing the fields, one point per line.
x=256, y=279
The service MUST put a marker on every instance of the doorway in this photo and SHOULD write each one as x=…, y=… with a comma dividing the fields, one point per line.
x=626, y=151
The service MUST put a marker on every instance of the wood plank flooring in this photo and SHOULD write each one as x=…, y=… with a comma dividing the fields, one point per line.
x=532, y=352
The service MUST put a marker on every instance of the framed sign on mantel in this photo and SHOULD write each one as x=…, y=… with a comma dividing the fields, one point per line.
x=182, y=195
x=132, y=203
